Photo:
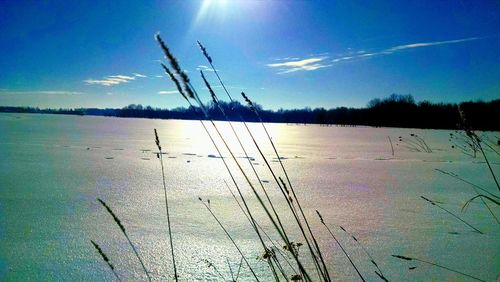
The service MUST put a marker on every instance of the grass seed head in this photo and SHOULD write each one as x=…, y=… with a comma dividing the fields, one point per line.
x=170, y=57
x=115, y=218
x=212, y=93
x=175, y=65
x=157, y=140
x=175, y=80
x=428, y=200
x=402, y=257
x=249, y=102
x=320, y=217
x=205, y=53
x=103, y=255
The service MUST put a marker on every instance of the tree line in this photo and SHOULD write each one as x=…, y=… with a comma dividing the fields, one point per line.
x=393, y=111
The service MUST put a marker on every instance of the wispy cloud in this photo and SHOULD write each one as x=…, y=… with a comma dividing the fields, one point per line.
x=427, y=44
x=400, y=48
x=345, y=58
x=318, y=61
x=308, y=64
x=205, y=68
x=111, y=80
x=139, y=75
x=168, y=92
x=39, y=92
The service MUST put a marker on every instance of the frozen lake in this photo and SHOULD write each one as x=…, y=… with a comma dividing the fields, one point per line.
x=53, y=167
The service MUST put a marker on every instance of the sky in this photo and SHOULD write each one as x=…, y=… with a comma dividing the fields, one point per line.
x=282, y=54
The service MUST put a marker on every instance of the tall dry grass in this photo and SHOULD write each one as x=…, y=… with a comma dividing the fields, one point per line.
x=284, y=257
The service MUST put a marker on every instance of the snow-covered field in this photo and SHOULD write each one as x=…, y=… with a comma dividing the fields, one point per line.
x=52, y=169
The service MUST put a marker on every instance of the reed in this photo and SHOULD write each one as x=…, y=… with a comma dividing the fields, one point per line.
x=340, y=245
x=244, y=174
x=452, y=214
x=477, y=141
x=230, y=238
x=239, y=270
x=456, y=176
x=160, y=156
x=105, y=259
x=253, y=223
x=414, y=143
x=212, y=266
x=323, y=270
x=122, y=228
x=466, y=144
x=496, y=202
x=437, y=265
x=288, y=192
x=475, y=188
x=230, y=269
x=392, y=147
x=365, y=250
x=274, y=244
x=216, y=102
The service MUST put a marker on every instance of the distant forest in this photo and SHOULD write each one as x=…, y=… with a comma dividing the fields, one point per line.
x=393, y=111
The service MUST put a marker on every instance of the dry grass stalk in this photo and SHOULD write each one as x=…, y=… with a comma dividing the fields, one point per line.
x=372, y=260
x=106, y=259
x=317, y=252
x=340, y=245
x=122, y=228
x=452, y=214
x=230, y=238
x=274, y=244
x=392, y=147
x=205, y=53
x=475, y=188
x=475, y=138
x=211, y=265
x=215, y=101
x=437, y=265
x=175, y=80
x=280, y=232
x=170, y=237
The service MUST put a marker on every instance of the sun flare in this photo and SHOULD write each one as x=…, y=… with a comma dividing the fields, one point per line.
x=212, y=9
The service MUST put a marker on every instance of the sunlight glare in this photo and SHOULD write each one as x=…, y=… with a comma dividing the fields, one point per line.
x=211, y=8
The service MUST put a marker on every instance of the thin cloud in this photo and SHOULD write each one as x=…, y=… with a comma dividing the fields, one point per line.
x=139, y=75
x=346, y=58
x=205, y=68
x=111, y=80
x=168, y=92
x=318, y=61
x=308, y=64
x=427, y=44
x=400, y=48
x=39, y=92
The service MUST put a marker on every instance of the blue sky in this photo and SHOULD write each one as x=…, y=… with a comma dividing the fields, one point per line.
x=289, y=54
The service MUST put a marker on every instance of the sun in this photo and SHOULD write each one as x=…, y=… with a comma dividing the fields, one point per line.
x=211, y=8
x=215, y=2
